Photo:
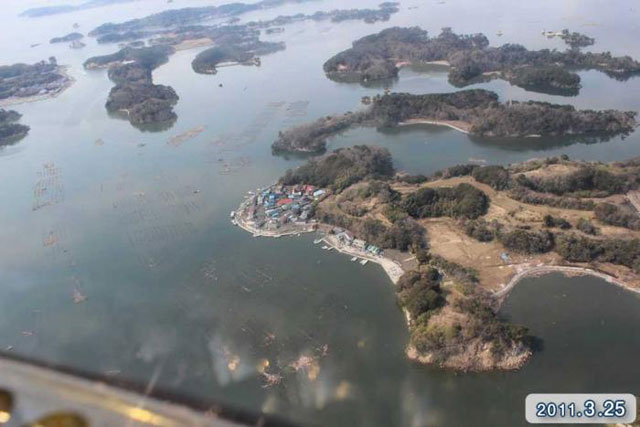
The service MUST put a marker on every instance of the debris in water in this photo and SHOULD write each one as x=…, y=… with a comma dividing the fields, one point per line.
x=271, y=379
x=78, y=296
x=27, y=333
x=268, y=339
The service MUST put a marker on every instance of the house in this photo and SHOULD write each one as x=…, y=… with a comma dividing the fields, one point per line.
x=345, y=237
x=283, y=202
x=319, y=193
x=359, y=244
x=373, y=249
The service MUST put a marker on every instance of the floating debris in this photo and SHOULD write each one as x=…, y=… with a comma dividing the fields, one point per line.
x=78, y=297
x=178, y=140
x=27, y=333
x=99, y=142
x=271, y=380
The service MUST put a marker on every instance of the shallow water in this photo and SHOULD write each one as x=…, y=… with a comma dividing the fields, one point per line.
x=143, y=230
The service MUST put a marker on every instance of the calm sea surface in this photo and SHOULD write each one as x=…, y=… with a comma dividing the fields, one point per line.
x=141, y=227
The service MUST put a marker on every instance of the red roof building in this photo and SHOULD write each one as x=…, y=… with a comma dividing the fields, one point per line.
x=283, y=202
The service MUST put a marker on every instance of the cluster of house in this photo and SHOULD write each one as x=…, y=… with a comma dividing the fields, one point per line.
x=347, y=238
x=284, y=204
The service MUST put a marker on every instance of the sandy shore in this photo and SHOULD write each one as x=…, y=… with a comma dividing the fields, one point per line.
x=566, y=270
x=457, y=125
x=392, y=268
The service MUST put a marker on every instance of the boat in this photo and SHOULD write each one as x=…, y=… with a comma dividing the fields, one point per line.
x=355, y=258
x=364, y=261
x=330, y=248
x=232, y=214
x=315, y=242
x=234, y=222
x=325, y=247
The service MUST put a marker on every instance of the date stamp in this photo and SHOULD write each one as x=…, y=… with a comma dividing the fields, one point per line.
x=556, y=408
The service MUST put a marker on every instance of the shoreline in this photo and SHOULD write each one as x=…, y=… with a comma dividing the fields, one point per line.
x=393, y=270
x=434, y=122
x=567, y=271
x=8, y=102
x=390, y=267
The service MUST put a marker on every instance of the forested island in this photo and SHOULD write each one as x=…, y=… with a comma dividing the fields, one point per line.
x=10, y=131
x=241, y=47
x=143, y=102
x=20, y=82
x=474, y=232
x=233, y=43
x=471, y=60
x=186, y=18
x=474, y=111
x=68, y=8
x=66, y=39
x=135, y=95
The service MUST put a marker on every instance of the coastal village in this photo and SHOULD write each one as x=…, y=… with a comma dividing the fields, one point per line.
x=281, y=210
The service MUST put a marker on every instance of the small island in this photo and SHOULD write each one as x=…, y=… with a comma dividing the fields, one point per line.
x=24, y=82
x=135, y=95
x=473, y=233
x=10, y=131
x=66, y=39
x=472, y=60
x=474, y=111
x=243, y=53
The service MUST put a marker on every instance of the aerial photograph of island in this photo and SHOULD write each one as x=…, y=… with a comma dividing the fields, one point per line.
x=319, y=213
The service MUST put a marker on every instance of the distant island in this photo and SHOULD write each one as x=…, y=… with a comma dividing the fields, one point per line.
x=142, y=102
x=185, y=19
x=471, y=60
x=473, y=111
x=233, y=43
x=473, y=231
x=67, y=8
x=10, y=131
x=66, y=39
x=24, y=82
x=135, y=95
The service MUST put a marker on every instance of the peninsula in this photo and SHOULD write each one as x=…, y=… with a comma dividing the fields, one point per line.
x=474, y=111
x=472, y=231
x=472, y=60
x=135, y=95
x=24, y=82
x=10, y=131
